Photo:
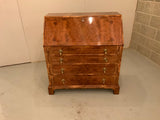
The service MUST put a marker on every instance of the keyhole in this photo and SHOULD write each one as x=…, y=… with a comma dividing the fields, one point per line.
x=82, y=20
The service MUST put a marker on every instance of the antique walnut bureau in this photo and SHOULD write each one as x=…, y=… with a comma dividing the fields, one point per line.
x=83, y=50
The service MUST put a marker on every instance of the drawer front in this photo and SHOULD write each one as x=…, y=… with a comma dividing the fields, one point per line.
x=84, y=69
x=81, y=59
x=105, y=50
x=82, y=80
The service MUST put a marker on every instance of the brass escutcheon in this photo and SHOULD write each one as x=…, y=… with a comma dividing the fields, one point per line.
x=61, y=60
x=82, y=20
x=62, y=70
x=103, y=80
x=105, y=51
x=60, y=52
x=105, y=59
x=104, y=70
x=63, y=81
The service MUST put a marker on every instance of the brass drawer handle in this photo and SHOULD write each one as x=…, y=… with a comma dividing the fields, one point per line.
x=103, y=80
x=61, y=60
x=104, y=70
x=63, y=81
x=105, y=59
x=60, y=52
x=105, y=51
x=62, y=70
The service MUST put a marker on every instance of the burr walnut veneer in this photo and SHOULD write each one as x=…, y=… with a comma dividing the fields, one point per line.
x=83, y=50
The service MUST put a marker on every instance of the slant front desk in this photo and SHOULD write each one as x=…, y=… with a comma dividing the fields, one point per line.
x=83, y=50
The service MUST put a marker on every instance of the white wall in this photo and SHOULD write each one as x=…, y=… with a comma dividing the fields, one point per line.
x=13, y=48
x=33, y=12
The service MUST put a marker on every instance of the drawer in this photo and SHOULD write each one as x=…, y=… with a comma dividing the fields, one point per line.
x=84, y=69
x=82, y=80
x=61, y=50
x=81, y=59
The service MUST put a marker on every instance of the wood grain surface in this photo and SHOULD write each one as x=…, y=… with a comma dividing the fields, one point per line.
x=83, y=50
x=88, y=30
x=85, y=69
x=57, y=80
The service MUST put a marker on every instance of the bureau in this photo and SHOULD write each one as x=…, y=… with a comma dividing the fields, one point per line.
x=83, y=50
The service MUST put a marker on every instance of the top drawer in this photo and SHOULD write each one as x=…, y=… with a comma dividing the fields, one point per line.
x=105, y=50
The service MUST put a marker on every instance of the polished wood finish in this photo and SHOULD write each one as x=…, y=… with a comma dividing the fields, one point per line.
x=83, y=50
x=85, y=69
x=84, y=59
x=82, y=79
x=83, y=30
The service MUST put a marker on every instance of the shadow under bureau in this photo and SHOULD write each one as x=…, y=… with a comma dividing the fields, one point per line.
x=83, y=50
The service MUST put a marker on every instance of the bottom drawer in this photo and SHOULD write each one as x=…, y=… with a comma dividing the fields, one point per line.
x=57, y=80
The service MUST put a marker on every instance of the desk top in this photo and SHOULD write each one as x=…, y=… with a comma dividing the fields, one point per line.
x=83, y=14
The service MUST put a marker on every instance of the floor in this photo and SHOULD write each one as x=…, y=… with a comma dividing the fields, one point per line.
x=24, y=95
